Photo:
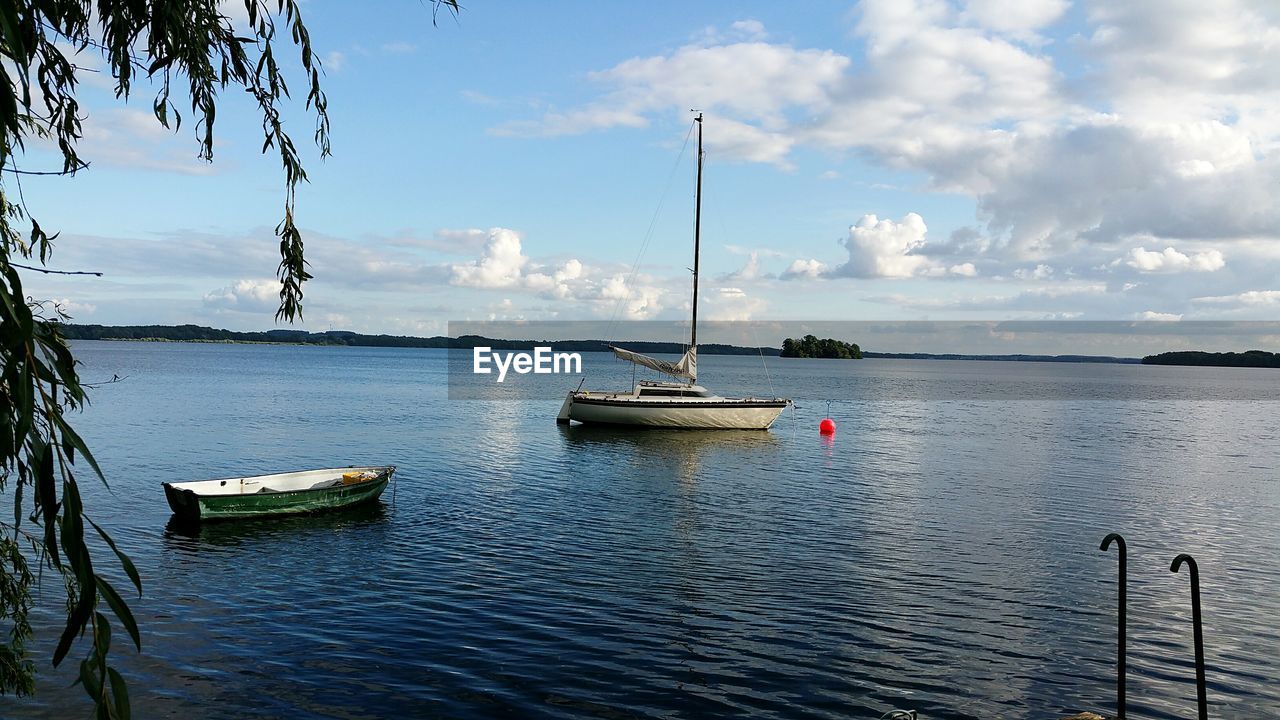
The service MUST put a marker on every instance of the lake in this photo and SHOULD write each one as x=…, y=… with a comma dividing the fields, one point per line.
x=939, y=553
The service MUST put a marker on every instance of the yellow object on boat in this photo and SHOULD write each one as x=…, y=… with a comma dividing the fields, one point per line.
x=352, y=478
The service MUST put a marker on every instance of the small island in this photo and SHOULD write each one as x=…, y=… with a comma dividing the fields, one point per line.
x=810, y=346
x=1249, y=358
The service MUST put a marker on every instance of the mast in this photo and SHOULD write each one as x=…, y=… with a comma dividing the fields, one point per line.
x=697, y=236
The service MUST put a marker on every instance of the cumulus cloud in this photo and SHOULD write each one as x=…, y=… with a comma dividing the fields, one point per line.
x=1172, y=261
x=556, y=283
x=884, y=248
x=500, y=266
x=1170, y=132
x=801, y=269
x=253, y=296
x=636, y=301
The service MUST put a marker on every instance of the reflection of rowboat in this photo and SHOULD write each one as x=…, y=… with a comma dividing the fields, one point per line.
x=278, y=494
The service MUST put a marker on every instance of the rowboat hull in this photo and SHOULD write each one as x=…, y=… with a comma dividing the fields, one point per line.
x=280, y=494
x=720, y=414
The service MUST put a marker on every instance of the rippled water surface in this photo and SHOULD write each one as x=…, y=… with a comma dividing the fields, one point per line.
x=939, y=554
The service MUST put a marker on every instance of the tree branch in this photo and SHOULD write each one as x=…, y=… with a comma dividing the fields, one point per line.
x=73, y=171
x=55, y=272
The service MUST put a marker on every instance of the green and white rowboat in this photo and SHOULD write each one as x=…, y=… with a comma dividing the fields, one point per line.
x=279, y=494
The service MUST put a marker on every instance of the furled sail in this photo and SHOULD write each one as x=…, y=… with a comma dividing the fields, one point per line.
x=686, y=367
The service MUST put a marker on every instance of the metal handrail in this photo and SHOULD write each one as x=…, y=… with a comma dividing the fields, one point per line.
x=1201, y=694
x=1121, y=619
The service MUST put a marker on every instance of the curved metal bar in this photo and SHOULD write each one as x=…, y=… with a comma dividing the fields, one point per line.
x=1121, y=619
x=1201, y=694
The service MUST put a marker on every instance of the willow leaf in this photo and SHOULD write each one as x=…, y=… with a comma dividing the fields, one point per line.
x=122, y=611
x=125, y=562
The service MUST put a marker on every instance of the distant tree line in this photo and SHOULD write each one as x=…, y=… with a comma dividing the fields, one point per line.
x=1249, y=358
x=810, y=346
x=1004, y=358
x=199, y=333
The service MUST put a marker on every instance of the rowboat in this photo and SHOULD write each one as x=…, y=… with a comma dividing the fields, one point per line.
x=279, y=494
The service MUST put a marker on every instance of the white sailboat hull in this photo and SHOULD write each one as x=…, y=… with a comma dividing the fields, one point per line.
x=693, y=413
x=684, y=405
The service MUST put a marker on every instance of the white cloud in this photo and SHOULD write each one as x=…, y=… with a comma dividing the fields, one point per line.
x=129, y=138
x=1171, y=131
x=462, y=242
x=1066, y=299
x=748, y=143
x=635, y=301
x=572, y=284
x=1021, y=19
x=748, y=86
x=556, y=284
x=1171, y=261
x=74, y=308
x=733, y=304
x=500, y=266
x=1251, y=298
x=804, y=269
x=252, y=296
x=1185, y=60
x=749, y=271
x=333, y=61
x=749, y=29
x=885, y=249
x=1039, y=272
x=1157, y=316
x=236, y=12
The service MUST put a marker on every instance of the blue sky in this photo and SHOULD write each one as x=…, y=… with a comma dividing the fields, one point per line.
x=876, y=160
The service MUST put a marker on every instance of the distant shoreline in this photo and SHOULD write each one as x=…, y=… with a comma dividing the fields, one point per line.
x=338, y=338
x=1249, y=358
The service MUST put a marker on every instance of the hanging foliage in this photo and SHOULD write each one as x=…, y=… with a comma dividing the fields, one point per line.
x=186, y=49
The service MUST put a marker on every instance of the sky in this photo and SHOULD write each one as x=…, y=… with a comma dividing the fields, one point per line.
x=874, y=160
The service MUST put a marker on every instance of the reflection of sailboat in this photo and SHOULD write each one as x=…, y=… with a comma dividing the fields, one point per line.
x=663, y=452
x=682, y=404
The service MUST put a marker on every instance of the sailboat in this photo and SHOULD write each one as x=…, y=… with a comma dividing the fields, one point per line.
x=680, y=403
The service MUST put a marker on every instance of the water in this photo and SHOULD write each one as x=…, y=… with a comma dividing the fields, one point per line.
x=939, y=554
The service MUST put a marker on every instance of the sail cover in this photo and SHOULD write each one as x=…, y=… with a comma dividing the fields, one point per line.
x=686, y=367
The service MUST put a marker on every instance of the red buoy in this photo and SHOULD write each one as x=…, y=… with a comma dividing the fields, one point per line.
x=827, y=426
